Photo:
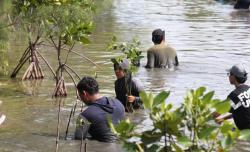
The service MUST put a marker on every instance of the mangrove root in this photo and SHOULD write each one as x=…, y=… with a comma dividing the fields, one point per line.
x=60, y=89
x=33, y=72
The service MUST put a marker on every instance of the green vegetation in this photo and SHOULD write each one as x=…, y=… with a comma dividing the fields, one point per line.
x=4, y=36
x=66, y=23
x=56, y=24
x=130, y=50
x=189, y=127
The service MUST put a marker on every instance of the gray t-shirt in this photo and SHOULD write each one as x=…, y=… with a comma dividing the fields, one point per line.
x=161, y=56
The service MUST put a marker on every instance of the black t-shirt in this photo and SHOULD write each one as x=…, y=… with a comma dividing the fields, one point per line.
x=121, y=92
x=240, y=106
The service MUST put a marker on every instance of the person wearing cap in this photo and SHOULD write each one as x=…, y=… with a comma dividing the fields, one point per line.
x=131, y=101
x=239, y=98
x=93, y=120
x=161, y=55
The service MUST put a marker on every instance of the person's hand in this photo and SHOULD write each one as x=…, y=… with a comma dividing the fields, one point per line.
x=215, y=115
x=219, y=120
x=131, y=98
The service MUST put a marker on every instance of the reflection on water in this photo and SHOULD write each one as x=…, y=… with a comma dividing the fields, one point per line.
x=209, y=37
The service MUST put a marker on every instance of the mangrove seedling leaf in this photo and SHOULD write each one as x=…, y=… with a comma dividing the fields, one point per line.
x=206, y=132
x=206, y=98
x=84, y=40
x=199, y=92
x=147, y=100
x=222, y=107
x=149, y=137
x=161, y=97
x=184, y=141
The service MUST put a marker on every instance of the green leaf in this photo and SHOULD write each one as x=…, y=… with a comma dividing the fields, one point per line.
x=84, y=40
x=226, y=142
x=177, y=148
x=184, y=141
x=149, y=137
x=206, y=98
x=199, y=92
x=245, y=134
x=160, y=98
x=205, y=132
x=226, y=127
x=222, y=107
x=153, y=147
x=147, y=100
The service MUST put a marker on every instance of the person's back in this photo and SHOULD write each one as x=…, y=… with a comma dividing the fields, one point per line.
x=98, y=114
x=161, y=55
x=94, y=120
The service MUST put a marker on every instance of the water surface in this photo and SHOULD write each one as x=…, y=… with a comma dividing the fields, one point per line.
x=209, y=37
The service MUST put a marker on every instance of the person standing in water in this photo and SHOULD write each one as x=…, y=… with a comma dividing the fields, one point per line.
x=161, y=55
x=127, y=89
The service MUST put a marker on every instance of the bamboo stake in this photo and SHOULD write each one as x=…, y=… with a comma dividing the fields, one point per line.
x=58, y=126
x=71, y=113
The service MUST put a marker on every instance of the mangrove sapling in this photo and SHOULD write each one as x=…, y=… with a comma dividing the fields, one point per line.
x=66, y=24
x=190, y=127
x=130, y=50
x=27, y=18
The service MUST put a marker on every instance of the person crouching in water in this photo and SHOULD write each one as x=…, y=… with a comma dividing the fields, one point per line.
x=127, y=89
x=94, y=120
x=239, y=98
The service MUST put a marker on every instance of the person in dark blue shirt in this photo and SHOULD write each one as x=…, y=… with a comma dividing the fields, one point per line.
x=94, y=120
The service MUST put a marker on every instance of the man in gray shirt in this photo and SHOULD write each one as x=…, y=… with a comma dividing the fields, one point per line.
x=161, y=55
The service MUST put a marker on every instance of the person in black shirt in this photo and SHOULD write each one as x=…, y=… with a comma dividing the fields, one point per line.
x=94, y=120
x=239, y=98
x=129, y=96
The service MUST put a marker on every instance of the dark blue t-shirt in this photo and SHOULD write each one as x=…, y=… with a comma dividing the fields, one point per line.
x=97, y=115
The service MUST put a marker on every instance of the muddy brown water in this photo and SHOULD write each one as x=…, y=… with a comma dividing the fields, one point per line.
x=209, y=37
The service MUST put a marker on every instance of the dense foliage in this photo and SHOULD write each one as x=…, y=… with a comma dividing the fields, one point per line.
x=189, y=127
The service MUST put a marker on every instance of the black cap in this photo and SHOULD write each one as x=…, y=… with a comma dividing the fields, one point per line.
x=238, y=70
